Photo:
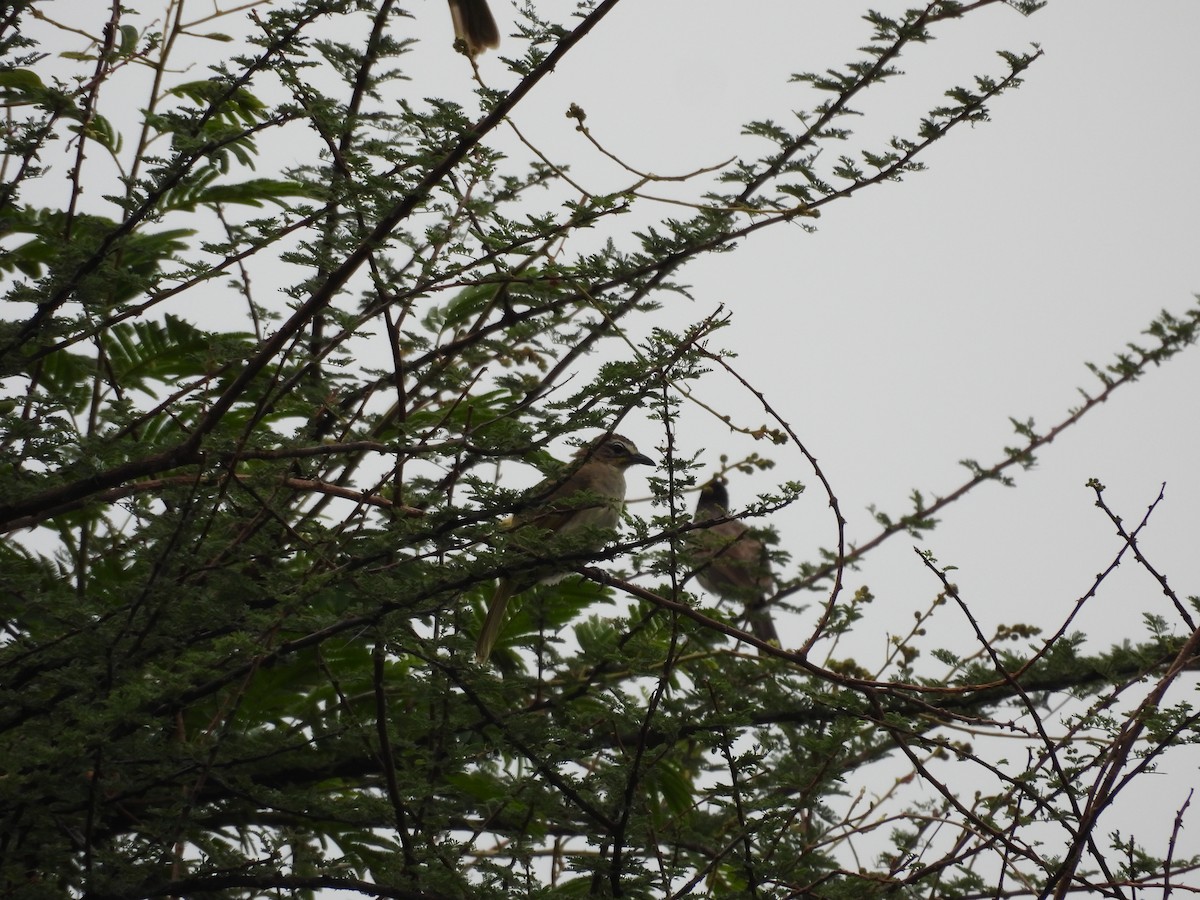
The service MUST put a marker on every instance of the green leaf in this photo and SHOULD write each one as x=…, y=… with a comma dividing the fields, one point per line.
x=254, y=192
x=128, y=41
x=232, y=104
x=478, y=785
x=22, y=81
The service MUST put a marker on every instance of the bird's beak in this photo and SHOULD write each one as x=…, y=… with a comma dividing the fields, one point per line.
x=641, y=459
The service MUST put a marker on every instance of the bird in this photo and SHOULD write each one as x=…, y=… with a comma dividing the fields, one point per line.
x=474, y=25
x=589, y=498
x=730, y=561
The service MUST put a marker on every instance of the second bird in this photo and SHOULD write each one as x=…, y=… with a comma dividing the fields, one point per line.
x=731, y=562
x=589, y=498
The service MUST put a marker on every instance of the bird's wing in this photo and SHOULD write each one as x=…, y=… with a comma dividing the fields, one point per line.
x=589, y=497
x=734, y=563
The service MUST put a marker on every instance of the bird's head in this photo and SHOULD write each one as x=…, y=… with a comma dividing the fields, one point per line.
x=616, y=451
x=714, y=494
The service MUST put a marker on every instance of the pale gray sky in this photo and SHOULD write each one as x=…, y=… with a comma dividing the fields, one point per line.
x=900, y=337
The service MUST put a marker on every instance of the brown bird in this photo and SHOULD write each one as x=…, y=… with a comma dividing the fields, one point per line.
x=730, y=561
x=474, y=25
x=589, y=498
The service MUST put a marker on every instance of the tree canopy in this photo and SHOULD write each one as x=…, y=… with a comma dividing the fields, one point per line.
x=263, y=423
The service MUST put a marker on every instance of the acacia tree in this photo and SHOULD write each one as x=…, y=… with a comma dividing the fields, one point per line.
x=250, y=551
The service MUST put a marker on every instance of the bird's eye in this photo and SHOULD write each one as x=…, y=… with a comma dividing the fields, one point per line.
x=618, y=448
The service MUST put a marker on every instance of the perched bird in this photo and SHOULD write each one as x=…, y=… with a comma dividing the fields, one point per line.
x=589, y=498
x=730, y=561
x=474, y=25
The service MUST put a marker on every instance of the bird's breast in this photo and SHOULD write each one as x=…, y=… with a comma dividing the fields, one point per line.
x=606, y=516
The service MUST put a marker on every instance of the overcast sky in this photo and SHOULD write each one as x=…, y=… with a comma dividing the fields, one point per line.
x=900, y=337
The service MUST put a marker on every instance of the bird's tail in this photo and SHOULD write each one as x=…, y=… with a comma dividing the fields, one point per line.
x=473, y=23
x=494, y=621
x=761, y=623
